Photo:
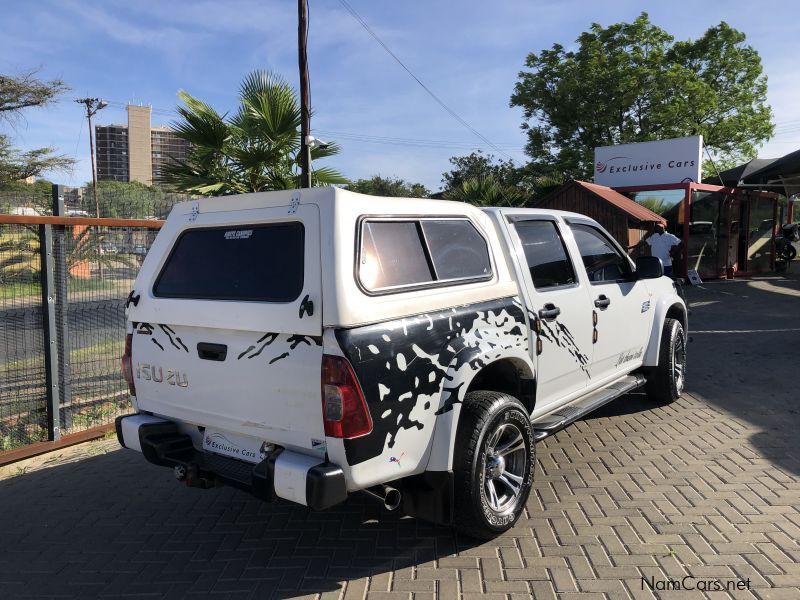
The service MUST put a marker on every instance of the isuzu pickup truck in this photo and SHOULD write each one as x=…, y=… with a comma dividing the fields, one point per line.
x=306, y=345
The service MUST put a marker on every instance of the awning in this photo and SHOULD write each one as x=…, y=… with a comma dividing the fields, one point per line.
x=780, y=175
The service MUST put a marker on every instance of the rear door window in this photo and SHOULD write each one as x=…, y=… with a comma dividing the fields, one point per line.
x=250, y=263
x=602, y=260
x=545, y=254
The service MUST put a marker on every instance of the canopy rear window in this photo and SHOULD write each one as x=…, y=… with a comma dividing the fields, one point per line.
x=250, y=263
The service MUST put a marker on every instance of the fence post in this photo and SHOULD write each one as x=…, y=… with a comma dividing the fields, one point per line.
x=51, y=362
x=61, y=276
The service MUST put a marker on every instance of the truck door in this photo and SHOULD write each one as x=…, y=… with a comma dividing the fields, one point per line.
x=559, y=307
x=622, y=306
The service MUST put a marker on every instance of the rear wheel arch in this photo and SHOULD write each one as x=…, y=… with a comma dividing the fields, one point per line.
x=508, y=376
x=496, y=375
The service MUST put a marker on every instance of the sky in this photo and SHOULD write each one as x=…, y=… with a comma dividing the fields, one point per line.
x=468, y=52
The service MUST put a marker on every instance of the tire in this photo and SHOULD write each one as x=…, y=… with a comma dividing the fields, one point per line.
x=788, y=252
x=491, y=489
x=666, y=382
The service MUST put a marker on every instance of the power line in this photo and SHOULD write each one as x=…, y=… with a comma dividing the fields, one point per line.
x=395, y=141
x=438, y=100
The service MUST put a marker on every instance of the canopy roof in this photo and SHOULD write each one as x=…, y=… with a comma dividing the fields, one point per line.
x=771, y=174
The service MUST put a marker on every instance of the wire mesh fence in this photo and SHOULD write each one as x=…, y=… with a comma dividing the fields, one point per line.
x=23, y=418
x=115, y=200
x=64, y=286
x=102, y=263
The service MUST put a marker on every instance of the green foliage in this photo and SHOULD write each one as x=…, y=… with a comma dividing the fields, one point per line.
x=19, y=254
x=16, y=94
x=486, y=191
x=17, y=165
x=39, y=188
x=631, y=82
x=654, y=203
x=124, y=200
x=256, y=149
x=390, y=187
x=25, y=90
x=478, y=165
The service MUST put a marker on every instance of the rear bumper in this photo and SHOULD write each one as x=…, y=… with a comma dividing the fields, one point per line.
x=283, y=474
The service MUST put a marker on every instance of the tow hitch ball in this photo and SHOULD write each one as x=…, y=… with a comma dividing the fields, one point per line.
x=193, y=477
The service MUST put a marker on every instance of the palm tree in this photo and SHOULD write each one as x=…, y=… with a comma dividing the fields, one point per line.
x=254, y=150
x=487, y=191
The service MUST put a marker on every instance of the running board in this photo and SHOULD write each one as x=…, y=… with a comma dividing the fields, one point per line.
x=573, y=412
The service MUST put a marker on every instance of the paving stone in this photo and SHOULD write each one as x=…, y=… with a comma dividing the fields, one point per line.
x=709, y=485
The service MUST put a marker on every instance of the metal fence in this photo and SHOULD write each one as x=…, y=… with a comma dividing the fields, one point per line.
x=64, y=281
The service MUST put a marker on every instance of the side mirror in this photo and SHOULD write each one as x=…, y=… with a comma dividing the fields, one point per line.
x=649, y=267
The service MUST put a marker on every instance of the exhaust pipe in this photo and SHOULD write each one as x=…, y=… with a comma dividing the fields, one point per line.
x=391, y=497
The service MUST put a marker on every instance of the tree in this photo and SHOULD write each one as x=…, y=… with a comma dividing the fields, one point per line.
x=631, y=82
x=389, y=186
x=125, y=200
x=26, y=91
x=16, y=94
x=254, y=150
x=485, y=190
x=478, y=165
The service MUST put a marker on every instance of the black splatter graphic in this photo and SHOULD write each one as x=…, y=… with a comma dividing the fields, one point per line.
x=269, y=337
x=399, y=360
x=277, y=358
x=143, y=328
x=284, y=341
x=174, y=340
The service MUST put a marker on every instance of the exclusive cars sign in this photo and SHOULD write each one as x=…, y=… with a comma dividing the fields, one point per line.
x=649, y=163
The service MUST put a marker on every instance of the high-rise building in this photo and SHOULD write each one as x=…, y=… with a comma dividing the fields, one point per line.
x=136, y=151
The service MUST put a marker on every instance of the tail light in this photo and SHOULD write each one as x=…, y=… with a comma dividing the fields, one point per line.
x=127, y=366
x=344, y=409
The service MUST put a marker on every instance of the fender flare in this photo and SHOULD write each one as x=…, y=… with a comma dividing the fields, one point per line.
x=662, y=308
x=444, y=433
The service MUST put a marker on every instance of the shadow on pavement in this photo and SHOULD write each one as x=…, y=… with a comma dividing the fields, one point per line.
x=112, y=524
x=739, y=363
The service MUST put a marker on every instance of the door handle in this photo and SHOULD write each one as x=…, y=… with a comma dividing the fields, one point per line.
x=549, y=312
x=208, y=351
x=602, y=302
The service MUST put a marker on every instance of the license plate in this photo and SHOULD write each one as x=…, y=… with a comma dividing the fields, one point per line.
x=234, y=445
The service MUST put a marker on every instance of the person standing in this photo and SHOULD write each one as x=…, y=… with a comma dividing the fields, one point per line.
x=663, y=245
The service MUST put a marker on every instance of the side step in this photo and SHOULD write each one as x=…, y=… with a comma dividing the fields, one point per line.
x=569, y=414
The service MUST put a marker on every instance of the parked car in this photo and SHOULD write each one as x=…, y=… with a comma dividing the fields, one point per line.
x=306, y=345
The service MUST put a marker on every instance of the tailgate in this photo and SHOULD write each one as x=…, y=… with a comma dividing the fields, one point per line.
x=227, y=332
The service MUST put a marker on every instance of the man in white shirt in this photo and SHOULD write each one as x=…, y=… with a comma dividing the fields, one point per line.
x=663, y=245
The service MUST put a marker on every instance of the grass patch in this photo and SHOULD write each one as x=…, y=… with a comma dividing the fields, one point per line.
x=18, y=289
x=109, y=350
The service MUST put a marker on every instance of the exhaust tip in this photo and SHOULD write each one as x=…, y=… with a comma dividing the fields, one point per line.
x=389, y=496
x=392, y=499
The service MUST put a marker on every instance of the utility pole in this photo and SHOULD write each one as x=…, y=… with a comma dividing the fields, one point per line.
x=92, y=106
x=305, y=94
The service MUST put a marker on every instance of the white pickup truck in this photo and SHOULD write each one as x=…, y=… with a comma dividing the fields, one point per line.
x=309, y=344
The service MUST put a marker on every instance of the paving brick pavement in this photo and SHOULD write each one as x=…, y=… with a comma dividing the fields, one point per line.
x=708, y=487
